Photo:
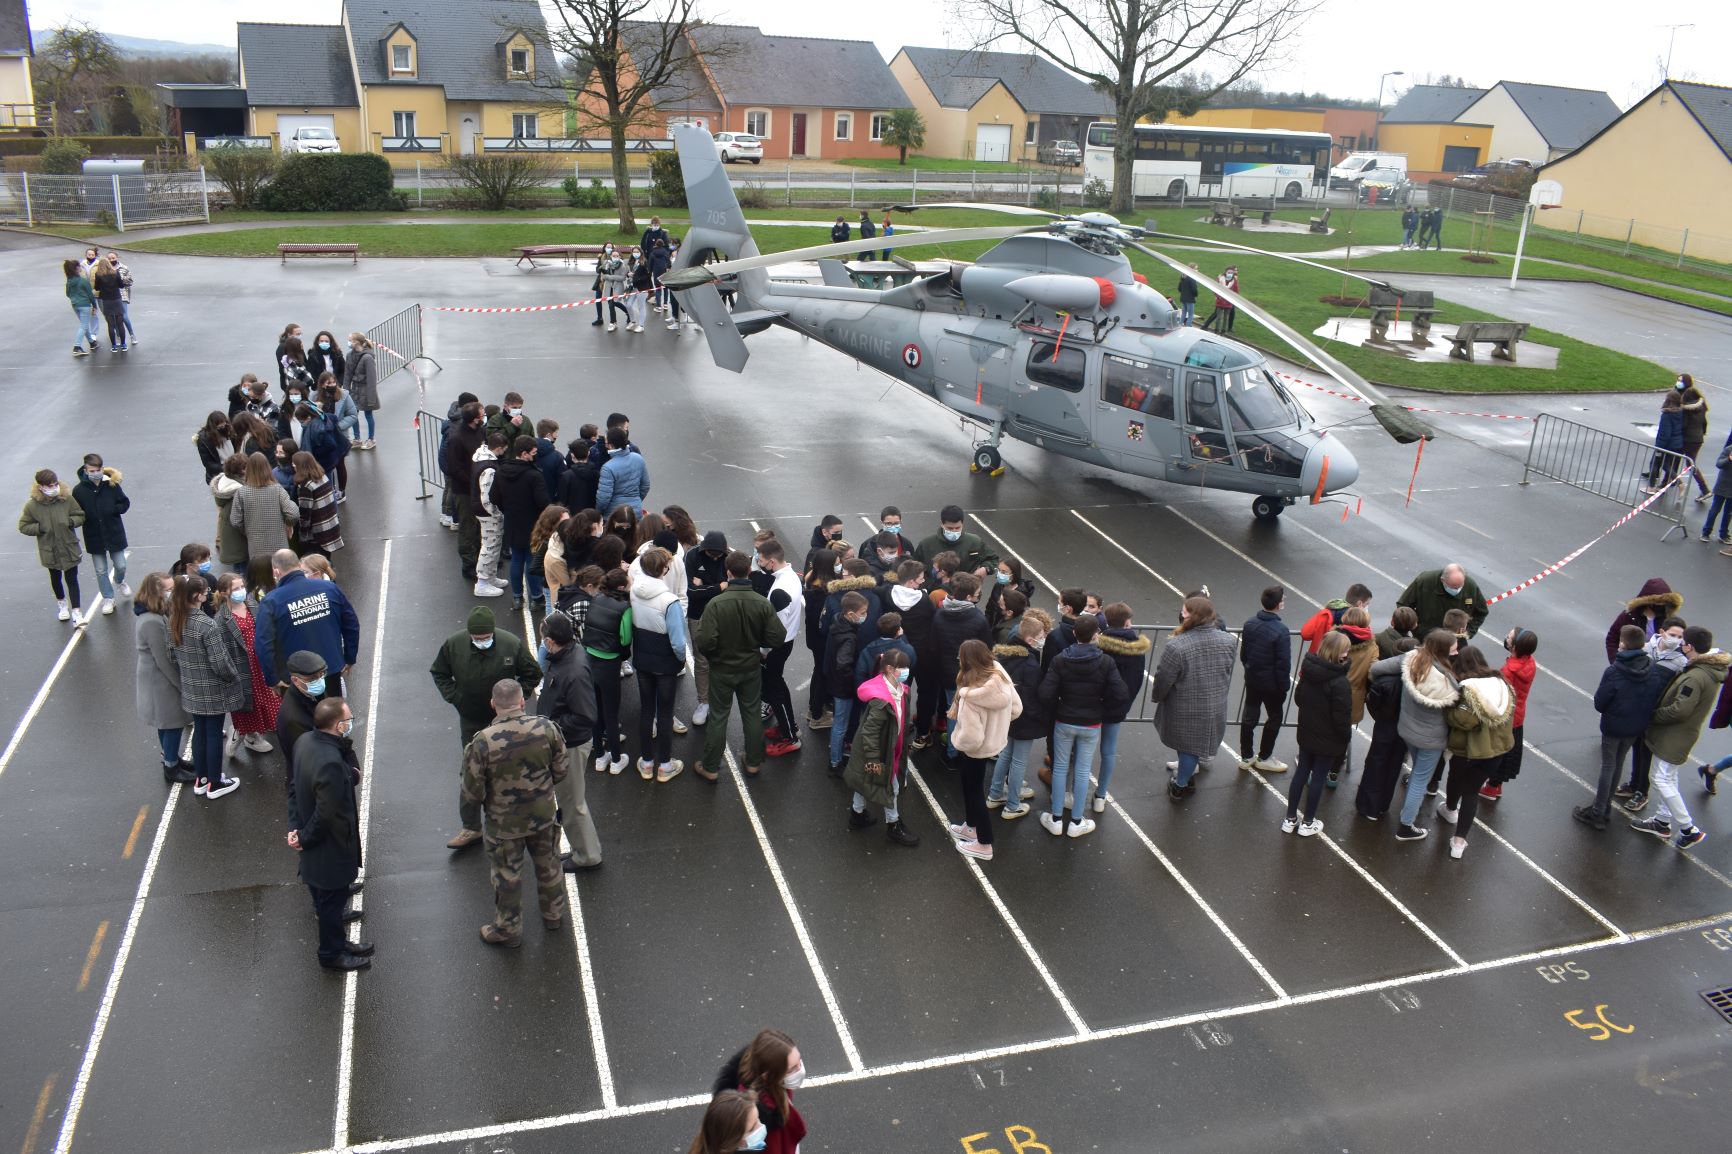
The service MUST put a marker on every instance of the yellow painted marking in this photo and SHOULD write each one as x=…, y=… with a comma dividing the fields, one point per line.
x=132, y=838
x=90, y=958
x=42, y=1100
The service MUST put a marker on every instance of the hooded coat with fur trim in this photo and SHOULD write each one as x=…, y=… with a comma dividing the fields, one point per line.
x=104, y=504
x=51, y=520
x=1480, y=721
x=1645, y=610
x=1023, y=666
x=1130, y=652
x=1423, y=703
x=1685, y=707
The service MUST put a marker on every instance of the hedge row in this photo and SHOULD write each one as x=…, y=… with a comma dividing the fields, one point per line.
x=98, y=145
x=332, y=182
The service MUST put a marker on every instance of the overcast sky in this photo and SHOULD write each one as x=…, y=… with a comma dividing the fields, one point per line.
x=1344, y=48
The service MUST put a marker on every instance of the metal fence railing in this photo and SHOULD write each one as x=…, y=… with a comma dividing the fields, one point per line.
x=399, y=340
x=429, y=437
x=1159, y=635
x=1623, y=470
x=120, y=200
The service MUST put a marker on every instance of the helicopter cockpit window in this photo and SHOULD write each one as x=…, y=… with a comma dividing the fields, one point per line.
x=1255, y=401
x=1210, y=355
x=1203, y=413
x=1135, y=385
x=1058, y=366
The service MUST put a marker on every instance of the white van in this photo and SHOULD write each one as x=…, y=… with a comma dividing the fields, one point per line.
x=1358, y=165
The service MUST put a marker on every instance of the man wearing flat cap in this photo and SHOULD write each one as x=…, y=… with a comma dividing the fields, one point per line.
x=308, y=684
x=468, y=665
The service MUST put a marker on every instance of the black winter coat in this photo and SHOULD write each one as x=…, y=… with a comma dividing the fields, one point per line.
x=577, y=485
x=1129, y=651
x=568, y=695
x=103, y=506
x=520, y=493
x=711, y=571
x=1082, y=686
x=330, y=823
x=1629, y=690
x=320, y=362
x=954, y=623
x=1266, y=652
x=1023, y=665
x=1325, y=701
x=457, y=458
x=840, y=649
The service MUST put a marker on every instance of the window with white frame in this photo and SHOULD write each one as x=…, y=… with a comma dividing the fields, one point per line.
x=1029, y=134
x=520, y=61
x=758, y=122
x=402, y=58
x=525, y=125
x=880, y=122
x=403, y=124
x=844, y=126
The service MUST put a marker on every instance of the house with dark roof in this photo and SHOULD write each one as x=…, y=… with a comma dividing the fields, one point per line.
x=995, y=106
x=1426, y=126
x=17, y=93
x=1655, y=176
x=804, y=97
x=1431, y=104
x=1538, y=122
x=408, y=77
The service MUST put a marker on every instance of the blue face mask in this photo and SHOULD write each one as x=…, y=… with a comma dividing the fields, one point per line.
x=896, y=529
x=316, y=688
x=204, y=566
x=953, y=534
x=1003, y=577
x=757, y=1139
x=324, y=344
x=902, y=674
x=238, y=594
x=1456, y=592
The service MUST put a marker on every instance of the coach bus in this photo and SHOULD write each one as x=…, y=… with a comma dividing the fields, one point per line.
x=1176, y=160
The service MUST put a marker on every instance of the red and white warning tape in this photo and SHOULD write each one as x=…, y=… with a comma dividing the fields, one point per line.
x=1556, y=565
x=1409, y=408
x=420, y=382
x=528, y=308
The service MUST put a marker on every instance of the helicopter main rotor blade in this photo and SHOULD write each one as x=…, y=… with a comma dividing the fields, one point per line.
x=980, y=206
x=1396, y=420
x=703, y=274
x=1287, y=256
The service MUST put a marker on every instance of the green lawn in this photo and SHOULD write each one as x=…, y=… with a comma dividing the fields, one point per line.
x=1292, y=292
x=1538, y=270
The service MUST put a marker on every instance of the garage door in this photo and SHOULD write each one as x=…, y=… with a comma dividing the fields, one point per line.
x=286, y=125
x=992, y=142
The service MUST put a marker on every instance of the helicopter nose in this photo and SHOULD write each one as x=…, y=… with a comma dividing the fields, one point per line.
x=1330, y=463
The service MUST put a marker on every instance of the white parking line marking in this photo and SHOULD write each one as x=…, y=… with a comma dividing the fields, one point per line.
x=1040, y=967
x=800, y=931
x=1135, y=560
x=41, y=698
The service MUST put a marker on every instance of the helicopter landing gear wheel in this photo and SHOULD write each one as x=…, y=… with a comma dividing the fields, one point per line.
x=1267, y=508
x=986, y=460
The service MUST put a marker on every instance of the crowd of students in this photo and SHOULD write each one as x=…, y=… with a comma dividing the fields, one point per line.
x=98, y=283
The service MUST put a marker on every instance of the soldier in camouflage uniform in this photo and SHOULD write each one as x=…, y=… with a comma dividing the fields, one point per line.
x=510, y=771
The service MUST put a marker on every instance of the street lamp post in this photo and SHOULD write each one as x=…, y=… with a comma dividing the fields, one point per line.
x=1379, y=126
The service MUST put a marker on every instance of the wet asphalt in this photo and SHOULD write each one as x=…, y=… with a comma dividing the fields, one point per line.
x=1186, y=978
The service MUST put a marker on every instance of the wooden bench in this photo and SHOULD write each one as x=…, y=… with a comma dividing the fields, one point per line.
x=1230, y=215
x=1416, y=305
x=528, y=252
x=352, y=251
x=1505, y=335
x=1263, y=206
x=1320, y=224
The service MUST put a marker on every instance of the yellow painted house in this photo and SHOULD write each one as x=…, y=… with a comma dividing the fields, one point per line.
x=995, y=106
x=17, y=94
x=407, y=78
x=1657, y=172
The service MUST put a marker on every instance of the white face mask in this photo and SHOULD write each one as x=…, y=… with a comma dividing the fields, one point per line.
x=793, y=1080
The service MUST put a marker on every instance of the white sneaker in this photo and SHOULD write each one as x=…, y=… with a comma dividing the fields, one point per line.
x=1051, y=824
x=646, y=768
x=619, y=764
x=108, y=607
x=1311, y=828
x=1289, y=824
x=500, y=582
x=1448, y=814
x=1271, y=765
x=1012, y=812
x=673, y=326
x=701, y=714
x=602, y=762
x=123, y=589
x=625, y=669
x=995, y=803
x=636, y=329
x=447, y=522
x=1082, y=828
x=222, y=787
x=486, y=588
x=1027, y=792
x=1457, y=846
x=256, y=742
x=975, y=850
x=231, y=744
x=667, y=771
x=64, y=613
x=681, y=727
x=611, y=327
x=1101, y=802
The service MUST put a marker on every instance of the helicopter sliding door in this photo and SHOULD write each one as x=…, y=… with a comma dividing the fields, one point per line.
x=972, y=373
x=1136, y=418
x=1047, y=398
x=1206, y=442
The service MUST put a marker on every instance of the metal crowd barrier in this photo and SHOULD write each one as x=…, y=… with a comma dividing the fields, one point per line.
x=1607, y=465
x=429, y=436
x=1159, y=635
x=398, y=341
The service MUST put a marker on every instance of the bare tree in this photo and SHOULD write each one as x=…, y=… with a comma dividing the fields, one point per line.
x=75, y=70
x=630, y=57
x=1142, y=54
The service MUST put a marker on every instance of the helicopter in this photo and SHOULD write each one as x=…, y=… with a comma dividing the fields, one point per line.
x=1049, y=338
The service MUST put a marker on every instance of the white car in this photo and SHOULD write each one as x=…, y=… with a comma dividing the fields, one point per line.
x=731, y=146
x=313, y=139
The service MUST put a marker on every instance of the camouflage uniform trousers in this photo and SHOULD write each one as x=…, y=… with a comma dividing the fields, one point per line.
x=505, y=870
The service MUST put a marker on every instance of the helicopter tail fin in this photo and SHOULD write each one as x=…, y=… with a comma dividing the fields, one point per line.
x=718, y=225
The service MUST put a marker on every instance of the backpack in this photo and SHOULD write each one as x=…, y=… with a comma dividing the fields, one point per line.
x=1383, y=698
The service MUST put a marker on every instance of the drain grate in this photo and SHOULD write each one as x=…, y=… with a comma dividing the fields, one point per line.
x=1720, y=1000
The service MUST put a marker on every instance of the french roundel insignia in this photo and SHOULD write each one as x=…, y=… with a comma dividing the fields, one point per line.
x=911, y=356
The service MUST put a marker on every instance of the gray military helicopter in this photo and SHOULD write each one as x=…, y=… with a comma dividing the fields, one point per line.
x=1049, y=338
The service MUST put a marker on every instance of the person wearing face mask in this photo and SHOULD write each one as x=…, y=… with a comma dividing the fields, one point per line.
x=510, y=420
x=840, y=649
x=1006, y=577
x=83, y=299
x=301, y=613
x=308, y=685
x=1324, y=701
x=952, y=537
x=213, y=683
x=770, y=1069
x=457, y=459
x=984, y=704
x=105, y=504
x=883, y=552
x=1020, y=659
x=263, y=509
x=157, y=692
x=360, y=377
x=1647, y=611
x=1437, y=591
x=738, y=628
x=730, y=1124
x=827, y=531
x=890, y=534
x=785, y=598
x=289, y=331
x=328, y=836
x=610, y=285
x=324, y=355
x=706, y=576
x=877, y=762
x=1665, y=652
x=50, y=515
x=249, y=725
x=468, y=665
x=1694, y=407
x=624, y=478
